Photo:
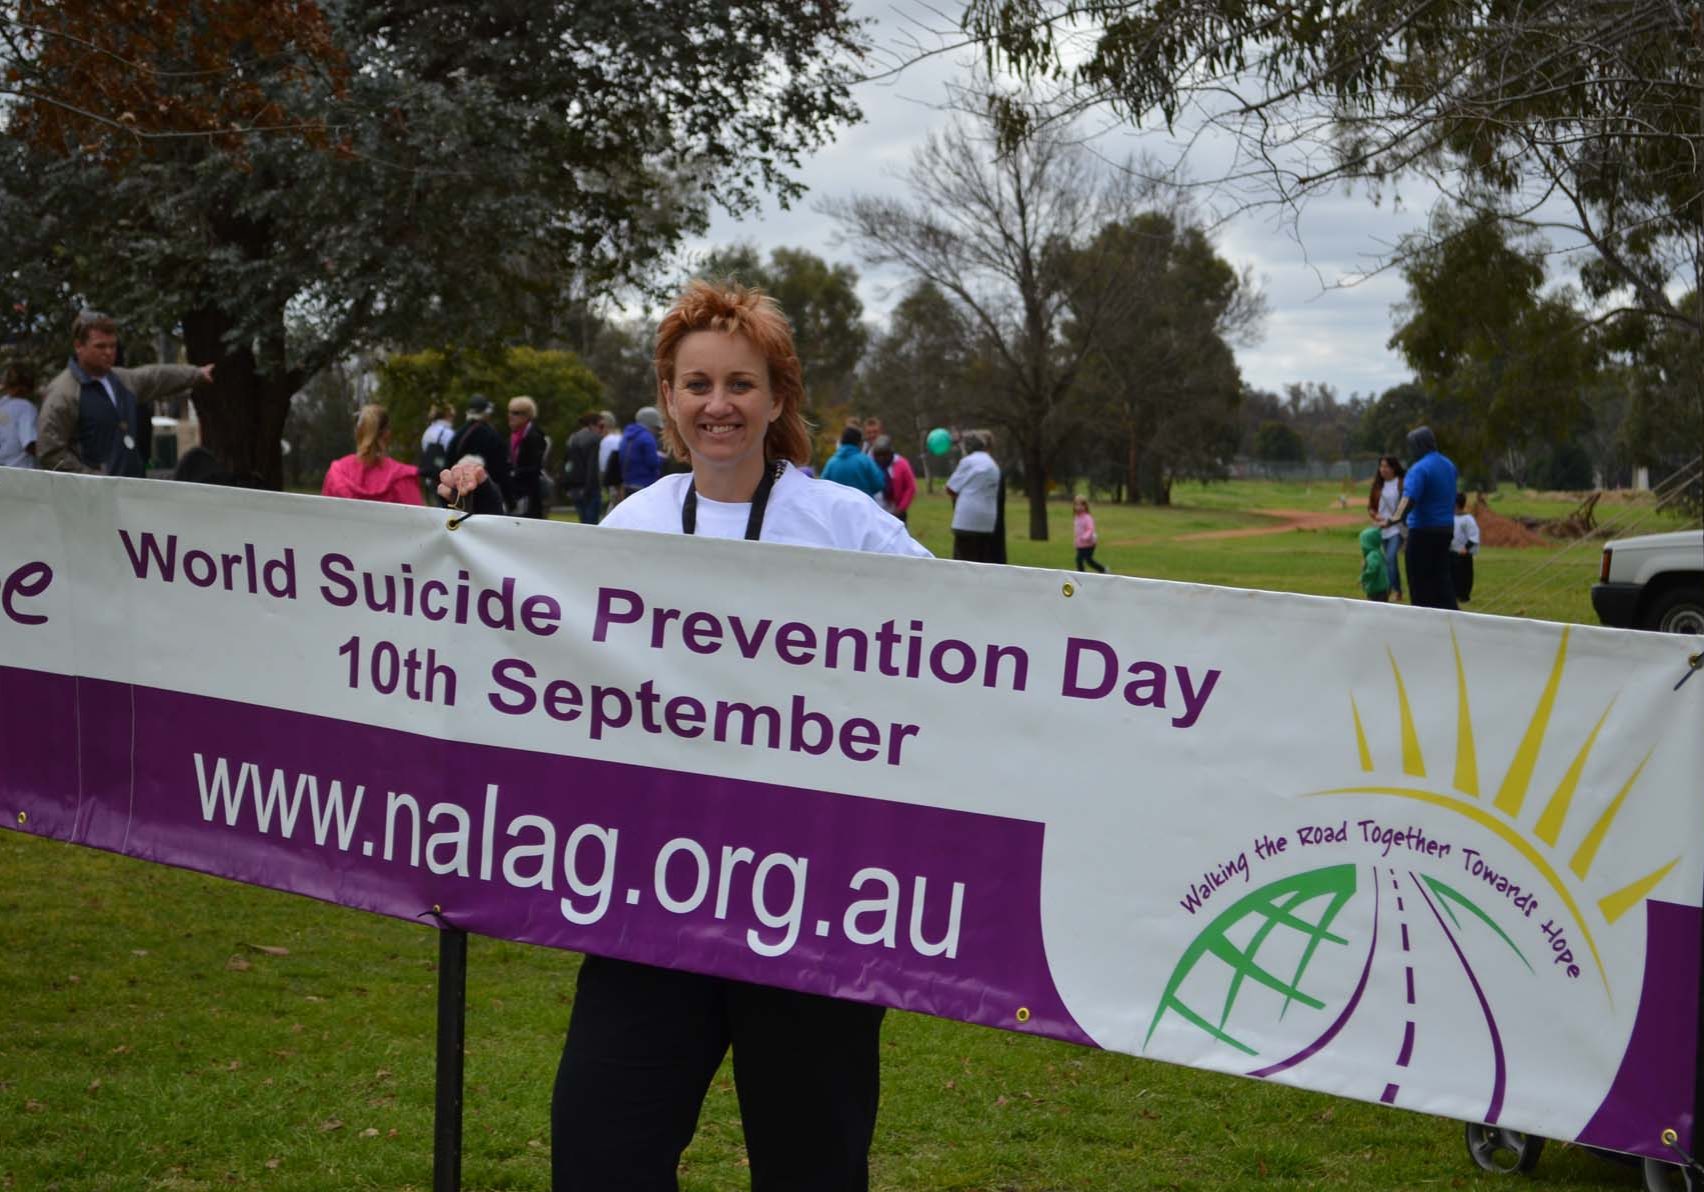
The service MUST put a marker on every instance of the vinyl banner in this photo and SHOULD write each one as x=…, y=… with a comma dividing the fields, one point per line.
x=1443, y=861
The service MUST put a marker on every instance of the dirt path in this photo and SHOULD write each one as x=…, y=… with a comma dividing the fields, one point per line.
x=1285, y=520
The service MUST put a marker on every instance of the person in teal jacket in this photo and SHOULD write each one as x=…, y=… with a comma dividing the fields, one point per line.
x=1375, y=576
x=851, y=467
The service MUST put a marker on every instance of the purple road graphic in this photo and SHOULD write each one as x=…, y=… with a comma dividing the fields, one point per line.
x=1405, y=1050
x=1495, y=1109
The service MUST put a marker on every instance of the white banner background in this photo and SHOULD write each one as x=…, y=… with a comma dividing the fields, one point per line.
x=1514, y=1005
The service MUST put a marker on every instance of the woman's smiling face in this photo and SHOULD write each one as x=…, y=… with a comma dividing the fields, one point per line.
x=720, y=403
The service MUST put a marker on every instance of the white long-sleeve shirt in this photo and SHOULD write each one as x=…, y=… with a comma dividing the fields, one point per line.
x=1466, y=537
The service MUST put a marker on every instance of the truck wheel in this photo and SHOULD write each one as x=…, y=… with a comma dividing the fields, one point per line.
x=1503, y=1152
x=1678, y=610
x=1668, y=1177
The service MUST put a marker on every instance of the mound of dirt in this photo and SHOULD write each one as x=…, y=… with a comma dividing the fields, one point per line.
x=1497, y=530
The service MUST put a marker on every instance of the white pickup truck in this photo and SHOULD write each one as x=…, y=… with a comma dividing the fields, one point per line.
x=1655, y=581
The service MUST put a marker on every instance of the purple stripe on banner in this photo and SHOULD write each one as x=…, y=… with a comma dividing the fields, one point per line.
x=1389, y=1095
x=1499, y=1074
x=1410, y=985
x=1407, y=1052
x=1654, y=1083
x=1405, y=937
x=913, y=907
x=40, y=776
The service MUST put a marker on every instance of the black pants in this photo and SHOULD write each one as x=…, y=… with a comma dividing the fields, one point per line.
x=1429, y=582
x=1461, y=576
x=1086, y=554
x=975, y=547
x=643, y=1044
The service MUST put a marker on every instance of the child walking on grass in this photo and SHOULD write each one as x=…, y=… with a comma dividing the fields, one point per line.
x=1463, y=546
x=1375, y=576
x=1084, y=525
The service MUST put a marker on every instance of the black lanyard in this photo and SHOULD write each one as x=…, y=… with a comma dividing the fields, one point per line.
x=759, y=503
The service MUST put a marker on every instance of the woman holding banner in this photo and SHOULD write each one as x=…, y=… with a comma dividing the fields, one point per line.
x=643, y=1042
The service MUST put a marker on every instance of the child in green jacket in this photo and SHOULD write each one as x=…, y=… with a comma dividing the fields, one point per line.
x=1375, y=579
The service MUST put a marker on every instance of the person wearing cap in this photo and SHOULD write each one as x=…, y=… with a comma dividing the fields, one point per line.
x=92, y=413
x=641, y=459
x=527, y=445
x=478, y=438
x=1428, y=509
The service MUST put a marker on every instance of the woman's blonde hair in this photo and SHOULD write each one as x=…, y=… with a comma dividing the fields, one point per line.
x=370, y=427
x=738, y=310
x=524, y=405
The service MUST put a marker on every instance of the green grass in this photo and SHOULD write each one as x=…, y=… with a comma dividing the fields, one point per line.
x=157, y=1038
x=1548, y=583
x=150, y=1044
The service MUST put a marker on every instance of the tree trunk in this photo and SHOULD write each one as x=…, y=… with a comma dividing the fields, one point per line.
x=1035, y=484
x=1156, y=483
x=242, y=414
x=1132, y=468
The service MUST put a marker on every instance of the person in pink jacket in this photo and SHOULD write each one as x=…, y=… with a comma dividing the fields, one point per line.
x=901, y=487
x=1083, y=526
x=370, y=474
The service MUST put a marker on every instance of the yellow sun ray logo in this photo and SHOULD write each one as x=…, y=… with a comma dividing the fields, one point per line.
x=1541, y=842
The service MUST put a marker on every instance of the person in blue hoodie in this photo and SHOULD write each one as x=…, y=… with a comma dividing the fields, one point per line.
x=641, y=461
x=1428, y=503
x=851, y=467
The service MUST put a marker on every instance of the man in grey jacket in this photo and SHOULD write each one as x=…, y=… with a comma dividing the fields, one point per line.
x=91, y=413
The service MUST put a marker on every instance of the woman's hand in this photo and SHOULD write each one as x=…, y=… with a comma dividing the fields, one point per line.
x=457, y=482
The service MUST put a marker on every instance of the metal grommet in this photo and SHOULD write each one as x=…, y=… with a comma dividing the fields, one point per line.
x=23, y=817
x=1023, y=1011
x=1670, y=1137
x=437, y=909
x=1693, y=663
x=1069, y=589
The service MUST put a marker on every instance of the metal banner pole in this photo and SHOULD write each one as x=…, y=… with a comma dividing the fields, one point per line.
x=452, y=1022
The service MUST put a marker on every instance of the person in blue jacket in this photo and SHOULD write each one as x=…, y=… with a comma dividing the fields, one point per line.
x=1428, y=503
x=851, y=467
x=641, y=459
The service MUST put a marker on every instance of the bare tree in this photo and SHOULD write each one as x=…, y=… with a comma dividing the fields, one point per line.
x=996, y=233
x=1582, y=120
x=920, y=373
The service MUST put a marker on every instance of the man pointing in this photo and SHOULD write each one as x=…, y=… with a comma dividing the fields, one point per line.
x=91, y=413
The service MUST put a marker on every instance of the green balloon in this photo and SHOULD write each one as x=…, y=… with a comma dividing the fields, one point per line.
x=940, y=442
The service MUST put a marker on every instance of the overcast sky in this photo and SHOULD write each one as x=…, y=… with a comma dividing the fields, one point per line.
x=1316, y=330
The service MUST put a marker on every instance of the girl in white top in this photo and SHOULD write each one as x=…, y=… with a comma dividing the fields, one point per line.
x=1381, y=507
x=643, y=1042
